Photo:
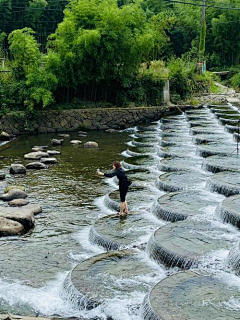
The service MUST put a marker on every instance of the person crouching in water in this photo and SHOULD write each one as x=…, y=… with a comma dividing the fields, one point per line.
x=123, y=184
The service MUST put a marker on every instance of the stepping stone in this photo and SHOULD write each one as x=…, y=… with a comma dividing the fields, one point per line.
x=36, y=165
x=94, y=280
x=24, y=215
x=232, y=128
x=181, y=151
x=174, y=141
x=82, y=133
x=174, y=133
x=64, y=135
x=75, y=142
x=197, y=111
x=7, y=189
x=182, y=205
x=49, y=160
x=192, y=295
x=13, y=194
x=143, y=161
x=37, y=149
x=181, y=180
x=17, y=169
x=234, y=259
x=227, y=114
x=227, y=121
x=90, y=144
x=113, y=232
x=10, y=228
x=2, y=175
x=222, y=163
x=227, y=183
x=134, y=195
x=53, y=152
x=206, y=130
x=179, y=164
x=197, y=117
x=212, y=138
x=212, y=149
x=230, y=210
x=18, y=203
x=142, y=144
x=57, y=142
x=36, y=155
x=187, y=243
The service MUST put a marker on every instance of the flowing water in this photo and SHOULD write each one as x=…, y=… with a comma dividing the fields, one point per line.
x=35, y=269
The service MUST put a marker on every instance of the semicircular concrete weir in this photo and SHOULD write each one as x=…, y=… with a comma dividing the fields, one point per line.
x=191, y=295
x=182, y=205
x=212, y=138
x=181, y=180
x=179, y=164
x=206, y=130
x=225, y=182
x=212, y=149
x=230, y=210
x=186, y=243
x=177, y=151
x=220, y=163
x=174, y=141
x=114, y=232
x=95, y=280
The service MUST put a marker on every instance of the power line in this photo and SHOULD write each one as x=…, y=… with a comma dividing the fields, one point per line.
x=201, y=5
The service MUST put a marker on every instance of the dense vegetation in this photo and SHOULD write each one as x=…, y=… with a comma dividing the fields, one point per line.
x=69, y=53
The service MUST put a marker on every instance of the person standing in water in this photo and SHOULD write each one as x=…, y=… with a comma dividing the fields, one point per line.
x=123, y=184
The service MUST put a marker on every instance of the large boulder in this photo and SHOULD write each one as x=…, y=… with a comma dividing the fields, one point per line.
x=36, y=155
x=53, y=152
x=9, y=227
x=90, y=144
x=18, y=203
x=24, y=215
x=4, y=136
x=17, y=168
x=2, y=175
x=56, y=142
x=36, y=165
x=13, y=194
x=75, y=142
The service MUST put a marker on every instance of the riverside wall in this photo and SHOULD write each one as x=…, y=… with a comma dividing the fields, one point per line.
x=84, y=119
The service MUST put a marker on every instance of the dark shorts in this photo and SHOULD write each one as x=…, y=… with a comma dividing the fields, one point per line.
x=123, y=193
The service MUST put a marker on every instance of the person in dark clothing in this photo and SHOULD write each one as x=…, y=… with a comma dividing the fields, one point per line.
x=123, y=184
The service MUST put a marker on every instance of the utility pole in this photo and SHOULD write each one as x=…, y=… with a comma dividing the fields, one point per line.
x=202, y=66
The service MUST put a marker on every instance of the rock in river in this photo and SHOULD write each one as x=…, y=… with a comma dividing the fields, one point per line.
x=53, y=152
x=49, y=160
x=75, y=142
x=18, y=203
x=56, y=142
x=2, y=175
x=4, y=136
x=24, y=215
x=90, y=144
x=36, y=165
x=13, y=194
x=10, y=227
x=36, y=155
x=17, y=168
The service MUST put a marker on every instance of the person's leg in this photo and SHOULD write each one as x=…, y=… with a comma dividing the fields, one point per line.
x=121, y=208
x=126, y=207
